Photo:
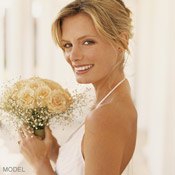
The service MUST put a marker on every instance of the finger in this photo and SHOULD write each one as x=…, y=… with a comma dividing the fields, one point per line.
x=27, y=132
x=21, y=133
x=48, y=128
x=48, y=132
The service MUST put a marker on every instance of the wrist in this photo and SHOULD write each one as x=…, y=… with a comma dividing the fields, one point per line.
x=44, y=168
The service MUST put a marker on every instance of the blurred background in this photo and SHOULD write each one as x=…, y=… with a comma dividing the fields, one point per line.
x=27, y=49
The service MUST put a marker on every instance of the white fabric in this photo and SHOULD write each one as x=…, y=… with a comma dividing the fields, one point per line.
x=70, y=160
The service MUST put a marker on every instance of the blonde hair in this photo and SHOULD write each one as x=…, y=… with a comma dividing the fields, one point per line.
x=111, y=19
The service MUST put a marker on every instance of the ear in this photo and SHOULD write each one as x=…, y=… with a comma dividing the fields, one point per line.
x=118, y=48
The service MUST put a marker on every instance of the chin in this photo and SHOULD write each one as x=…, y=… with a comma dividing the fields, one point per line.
x=83, y=81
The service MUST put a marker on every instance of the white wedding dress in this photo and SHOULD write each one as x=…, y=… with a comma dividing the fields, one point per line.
x=70, y=160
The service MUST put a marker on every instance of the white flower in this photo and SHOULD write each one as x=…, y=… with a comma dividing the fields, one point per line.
x=34, y=83
x=35, y=101
x=57, y=102
x=53, y=85
x=26, y=98
x=42, y=96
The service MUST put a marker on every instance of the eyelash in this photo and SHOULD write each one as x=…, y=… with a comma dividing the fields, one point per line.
x=68, y=45
x=90, y=42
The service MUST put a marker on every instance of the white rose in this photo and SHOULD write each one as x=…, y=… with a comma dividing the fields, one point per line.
x=14, y=91
x=68, y=97
x=57, y=102
x=42, y=96
x=53, y=85
x=26, y=98
x=34, y=83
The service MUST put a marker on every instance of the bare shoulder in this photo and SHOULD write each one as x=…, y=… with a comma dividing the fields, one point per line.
x=108, y=132
x=113, y=117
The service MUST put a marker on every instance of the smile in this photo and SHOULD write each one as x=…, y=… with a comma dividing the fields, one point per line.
x=83, y=69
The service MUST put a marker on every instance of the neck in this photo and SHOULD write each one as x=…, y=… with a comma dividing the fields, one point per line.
x=104, y=86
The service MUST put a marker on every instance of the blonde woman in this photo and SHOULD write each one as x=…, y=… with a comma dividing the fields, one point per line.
x=93, y=35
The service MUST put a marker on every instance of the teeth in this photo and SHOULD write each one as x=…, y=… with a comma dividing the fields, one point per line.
x=83, y=68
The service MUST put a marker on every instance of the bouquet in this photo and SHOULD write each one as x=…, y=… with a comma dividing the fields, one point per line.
x=34, y=102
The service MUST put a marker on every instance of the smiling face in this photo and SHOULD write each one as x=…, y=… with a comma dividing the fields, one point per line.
x=91, y=57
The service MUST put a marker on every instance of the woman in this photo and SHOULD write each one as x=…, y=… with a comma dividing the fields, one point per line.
x=93, y=35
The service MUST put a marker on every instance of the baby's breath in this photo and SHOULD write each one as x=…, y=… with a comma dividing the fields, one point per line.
x=35, y=101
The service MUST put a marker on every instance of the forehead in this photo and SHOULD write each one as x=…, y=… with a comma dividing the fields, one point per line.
x=78, y=25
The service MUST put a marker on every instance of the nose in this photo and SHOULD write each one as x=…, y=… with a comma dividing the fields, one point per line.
x=75, y=54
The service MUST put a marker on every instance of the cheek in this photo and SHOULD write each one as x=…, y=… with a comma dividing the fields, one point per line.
x=67, y=57
x=106, y=60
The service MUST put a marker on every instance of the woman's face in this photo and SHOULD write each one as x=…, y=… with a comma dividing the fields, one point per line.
x=91, y=57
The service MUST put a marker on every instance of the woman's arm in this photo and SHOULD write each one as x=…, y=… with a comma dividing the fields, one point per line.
x=45, y=168
x=38, y=152
x=106, y=134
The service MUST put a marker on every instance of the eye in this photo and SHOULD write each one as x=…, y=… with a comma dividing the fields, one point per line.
x=89, y=42
x=67, y=45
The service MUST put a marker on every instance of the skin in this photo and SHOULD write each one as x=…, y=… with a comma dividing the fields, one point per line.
x=110, y=130
x=39, y=152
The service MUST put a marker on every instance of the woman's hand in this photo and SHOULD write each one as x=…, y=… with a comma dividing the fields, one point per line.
x=38, y=152
x=54, y=149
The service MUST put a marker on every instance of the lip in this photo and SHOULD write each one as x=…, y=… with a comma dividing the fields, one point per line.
x=84, y=68
x=82, y=65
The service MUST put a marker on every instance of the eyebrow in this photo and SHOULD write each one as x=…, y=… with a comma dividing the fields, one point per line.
x=80, y=38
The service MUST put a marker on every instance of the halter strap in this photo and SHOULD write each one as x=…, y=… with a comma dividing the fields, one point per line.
x=110, y=92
